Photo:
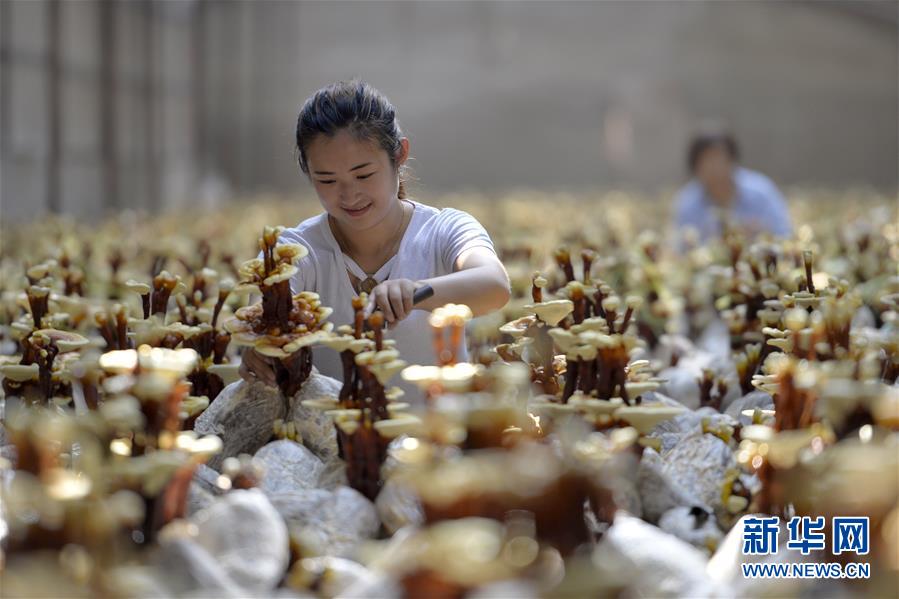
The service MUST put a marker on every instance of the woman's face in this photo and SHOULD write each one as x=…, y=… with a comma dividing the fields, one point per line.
x=354, y=178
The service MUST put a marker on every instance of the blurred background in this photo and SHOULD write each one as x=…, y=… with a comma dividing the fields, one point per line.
x=154, y=105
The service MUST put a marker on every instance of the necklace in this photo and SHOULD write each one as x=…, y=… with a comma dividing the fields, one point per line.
x=369, y=282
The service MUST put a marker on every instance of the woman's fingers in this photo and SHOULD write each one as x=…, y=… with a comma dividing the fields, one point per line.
x=383, y=301
x=393, y=298
x=395, y=295
x=255, y=366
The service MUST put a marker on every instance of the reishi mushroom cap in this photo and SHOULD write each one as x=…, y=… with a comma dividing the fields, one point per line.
x=553, y=311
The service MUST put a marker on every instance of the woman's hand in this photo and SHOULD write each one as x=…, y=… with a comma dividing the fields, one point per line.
x=394, y=298
x=256, y=367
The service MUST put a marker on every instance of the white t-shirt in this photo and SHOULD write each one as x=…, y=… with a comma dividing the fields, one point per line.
x=433, y=240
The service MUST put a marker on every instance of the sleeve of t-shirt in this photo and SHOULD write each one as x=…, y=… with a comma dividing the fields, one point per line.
x=458, y=232
x=304, y=279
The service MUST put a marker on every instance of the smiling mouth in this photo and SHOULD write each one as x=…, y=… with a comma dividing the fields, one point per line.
x=357, y=211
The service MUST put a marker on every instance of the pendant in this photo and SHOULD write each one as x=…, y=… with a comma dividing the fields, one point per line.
x=368, y=284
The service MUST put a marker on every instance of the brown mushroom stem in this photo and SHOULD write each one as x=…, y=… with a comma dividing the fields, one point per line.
x=145, y=303
x=439, y=341
x=291, y=372
x=456, y=331
x=597, y=303
x=807, y=262
x=163, y=285
x=223, y=295
x=358, y=303
x=220, y=347
x=364, y=451
x=628, y=314
x=74, y=283
x=45, y=358
x=172, y=502
x=707, y=384
x=587, y=258
x=347, y=396
x=536, y=291
x=181, y=303
x=277, y=303
x=611, y=316
x=571, y=379
x=121, y=320
x=563, y=259
x=39, y=302
x=376, y=323
x=793, y=408
x=580, y=305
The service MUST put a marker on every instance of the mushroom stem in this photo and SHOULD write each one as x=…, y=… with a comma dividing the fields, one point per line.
x=807, y=261
x=223, y=295
x=599, y=296
x=121, y=320
x=571, y=379
x=346, y=396
x=276, y=305
x=587, y=258
x=563, y=259
x=628, y=314
x=220, y=347
x=537, y=288
x=145, y=303
x=580, y=305
x=376, y=322
x=291, y=372
x=457, y=328
x=163, y=285
x=358, y=316
x=39, y=302
x=439, y=343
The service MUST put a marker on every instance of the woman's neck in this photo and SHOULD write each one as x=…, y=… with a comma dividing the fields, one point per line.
x=372, y=243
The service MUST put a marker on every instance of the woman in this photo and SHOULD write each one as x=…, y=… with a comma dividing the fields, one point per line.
x=372, y=238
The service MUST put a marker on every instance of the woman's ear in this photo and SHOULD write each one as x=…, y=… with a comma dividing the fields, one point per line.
x=403, y=155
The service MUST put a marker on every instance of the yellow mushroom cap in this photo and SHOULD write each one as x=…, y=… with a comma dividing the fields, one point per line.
x=553, y=311
x=399, y=424
x=19, y=372
x=645, y=418
x=65, y=341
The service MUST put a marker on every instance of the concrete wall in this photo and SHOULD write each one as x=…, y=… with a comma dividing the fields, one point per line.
x=199, y=100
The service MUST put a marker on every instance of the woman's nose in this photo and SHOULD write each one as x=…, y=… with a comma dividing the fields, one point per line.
x=345, y=190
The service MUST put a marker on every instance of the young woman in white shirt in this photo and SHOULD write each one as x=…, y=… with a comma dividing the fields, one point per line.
x=372, y=237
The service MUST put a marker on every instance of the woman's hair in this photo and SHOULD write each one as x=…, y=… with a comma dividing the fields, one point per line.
x=707, y=139
x=352, y=105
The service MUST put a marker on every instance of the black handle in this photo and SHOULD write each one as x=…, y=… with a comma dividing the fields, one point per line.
x=422, y=293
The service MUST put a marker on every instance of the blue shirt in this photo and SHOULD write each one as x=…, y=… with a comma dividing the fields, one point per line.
x=758, y=205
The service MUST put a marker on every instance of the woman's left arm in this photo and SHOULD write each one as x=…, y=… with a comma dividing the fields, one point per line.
x=479, y=281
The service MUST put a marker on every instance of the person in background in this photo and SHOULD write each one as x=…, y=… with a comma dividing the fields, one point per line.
x=722, y=194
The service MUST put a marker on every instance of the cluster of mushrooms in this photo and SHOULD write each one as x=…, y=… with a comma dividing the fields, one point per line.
x=618, y=422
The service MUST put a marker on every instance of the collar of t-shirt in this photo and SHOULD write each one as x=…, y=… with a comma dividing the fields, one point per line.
x=382, y=273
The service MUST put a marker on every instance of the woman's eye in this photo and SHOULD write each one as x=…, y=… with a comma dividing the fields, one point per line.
x=364, y=176
x=324, y=182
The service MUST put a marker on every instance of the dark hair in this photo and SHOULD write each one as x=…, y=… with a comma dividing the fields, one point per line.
x=709, y=139
x=352, y=105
